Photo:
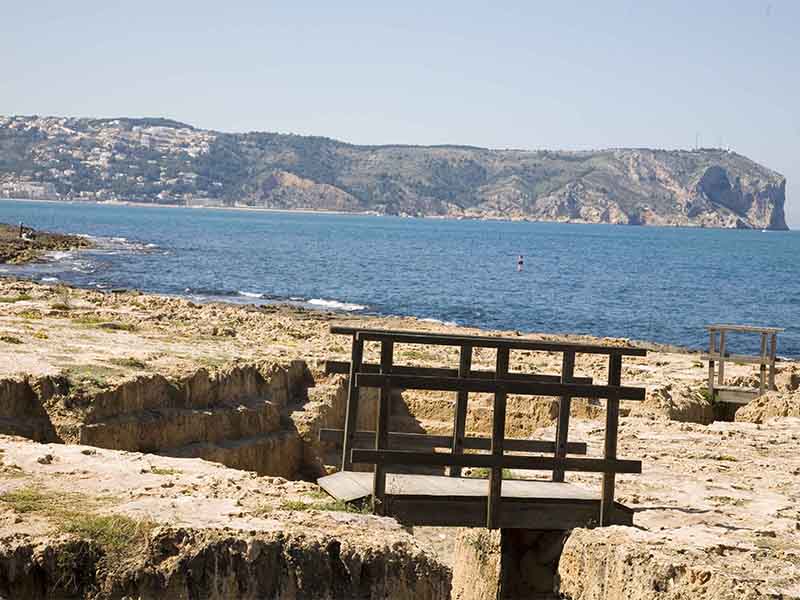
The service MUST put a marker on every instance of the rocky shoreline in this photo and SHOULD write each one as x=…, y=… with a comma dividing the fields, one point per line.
x=193, y=428
x=16, y=249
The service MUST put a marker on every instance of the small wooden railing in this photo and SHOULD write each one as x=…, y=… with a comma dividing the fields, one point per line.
x=386, y=376
x=718, y=355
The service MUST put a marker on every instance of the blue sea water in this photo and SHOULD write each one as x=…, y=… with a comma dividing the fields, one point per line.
x=647, y=283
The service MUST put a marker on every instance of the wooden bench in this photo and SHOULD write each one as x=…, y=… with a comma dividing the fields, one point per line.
x=428, y=499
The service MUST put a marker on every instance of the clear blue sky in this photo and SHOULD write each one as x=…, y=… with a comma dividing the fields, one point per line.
x=513, y=74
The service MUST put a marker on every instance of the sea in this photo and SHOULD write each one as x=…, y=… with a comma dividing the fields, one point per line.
x=642, y=283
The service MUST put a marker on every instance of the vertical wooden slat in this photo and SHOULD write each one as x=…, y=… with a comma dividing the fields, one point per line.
x=610, y=447
x=462, y=399
x=712, y=347
x=564, y=402
x=773, y=351
x=382, y=428
x=762, y=369
x=721, y=374
x=493, y=500
x=351, y=413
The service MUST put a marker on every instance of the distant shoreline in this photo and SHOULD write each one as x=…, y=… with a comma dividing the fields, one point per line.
x=311, y=211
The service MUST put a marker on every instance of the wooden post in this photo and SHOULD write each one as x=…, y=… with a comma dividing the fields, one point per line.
x=762, y=368
x=610, y=449
x=712, y=346
x=382, y=429
x=351, y=414
x=564, y=402
x=773, y=351
x=493, y=501
x=462, y=399
x=721, y=377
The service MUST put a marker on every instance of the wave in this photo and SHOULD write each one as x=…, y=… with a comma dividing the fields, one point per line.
x=59, y=255
x=50, y=279
x=336, y=305
x=250, y=294
x=438, y=321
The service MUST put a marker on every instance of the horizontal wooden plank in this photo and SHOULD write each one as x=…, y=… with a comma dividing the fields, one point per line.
x=553, y=515
x=335, y=367
x=534, y=463
x=510, y=386
x=735, y=396
x=443, y=339
x=744, y=328
x=423, y=441
x=740, y=359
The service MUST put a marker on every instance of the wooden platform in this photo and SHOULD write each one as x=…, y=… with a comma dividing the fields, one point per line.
x=461, y=501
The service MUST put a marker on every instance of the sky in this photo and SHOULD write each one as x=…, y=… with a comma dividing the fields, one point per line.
x=557, y=75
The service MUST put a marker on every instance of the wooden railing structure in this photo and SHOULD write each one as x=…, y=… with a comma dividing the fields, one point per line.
x=525, y=504
x=718, y=354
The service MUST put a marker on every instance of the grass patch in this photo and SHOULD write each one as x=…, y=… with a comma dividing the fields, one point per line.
x=117, y=326
x=329, y=505
x=26, y=500
x=165, y=471
x=41, y=335
x=120, y=537
x=87, y=319
x=17, y=298
x=31, y=315
x=133, y=363
x=10, y=339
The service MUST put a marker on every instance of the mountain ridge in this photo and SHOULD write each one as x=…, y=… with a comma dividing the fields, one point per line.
x=164, y=161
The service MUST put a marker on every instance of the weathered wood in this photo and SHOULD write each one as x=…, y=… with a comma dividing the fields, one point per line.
x=741, y=359
x=516, y=513
x=421, y=441
x=510, y=386
x=743, y=328
x=762, y=369
x=462, y=400
x=333, y=367
x=773, y=351
x=533, y=463
x=351, y=411
x=722, y=359
x=493, y=501
x=610, y=445
x=562, y=425
x=441, y=339
x=382, y=427
x=712, y=348
x=735, y=395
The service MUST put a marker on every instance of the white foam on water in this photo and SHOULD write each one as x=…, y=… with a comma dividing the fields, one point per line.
x=250, y=294
x=59, y=255
x=336, y=305
x=50, y=279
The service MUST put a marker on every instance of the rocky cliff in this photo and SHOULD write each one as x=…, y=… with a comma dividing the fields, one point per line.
x=163, y=161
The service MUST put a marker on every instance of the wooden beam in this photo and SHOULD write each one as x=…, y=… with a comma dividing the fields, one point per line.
x=564, y=402
x=382, y=428
x=466, y=511
x=442, y=339
x=351, y=412
x=610, y=445
x=712, y=348
x=494, y=499
x=510, y=386
x=421, y=441
x=462, y=399
x=762, y=370
x=773, y=350
x=533, y=463
x=741, y=359
x=743, y=328
x=722, y=359
x=335, y=367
